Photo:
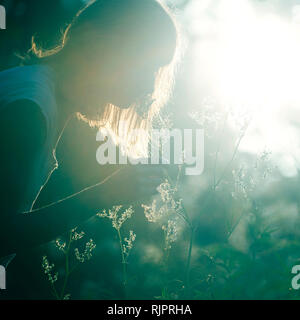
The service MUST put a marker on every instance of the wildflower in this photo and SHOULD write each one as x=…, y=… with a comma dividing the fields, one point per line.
x=87, y=254
x=169, y=205
x=166, y=191
x=113, y=215
x=48, y=270
x=167, y=214
x=76, y=236
x=65, y=247
x=151, y=213
x=61, y=246
x=171, y=232
x=128, y=244
x=246, y=180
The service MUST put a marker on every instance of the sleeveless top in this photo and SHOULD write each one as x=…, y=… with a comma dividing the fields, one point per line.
x=34, y=83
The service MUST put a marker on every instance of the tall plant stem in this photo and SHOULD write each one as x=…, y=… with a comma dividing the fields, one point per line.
x=124, y=267
x=56, y=295
x=188, y=263
x=67, y=269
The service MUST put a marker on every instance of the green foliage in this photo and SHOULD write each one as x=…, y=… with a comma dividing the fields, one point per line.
x=79, y=257
x=222, y=238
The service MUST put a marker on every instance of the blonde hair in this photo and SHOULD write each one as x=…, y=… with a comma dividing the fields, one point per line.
x=121, y=123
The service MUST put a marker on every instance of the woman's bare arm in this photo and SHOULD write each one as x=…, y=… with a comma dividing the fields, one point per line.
x=23, y=132
x=25, y=230
x=22, y=137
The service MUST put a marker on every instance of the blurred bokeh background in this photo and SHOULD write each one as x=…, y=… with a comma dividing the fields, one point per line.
x=239, y=81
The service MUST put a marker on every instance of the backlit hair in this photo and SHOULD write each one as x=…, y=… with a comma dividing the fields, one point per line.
x=120, y=123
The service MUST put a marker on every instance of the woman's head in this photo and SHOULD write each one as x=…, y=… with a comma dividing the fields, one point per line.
x=116, y=60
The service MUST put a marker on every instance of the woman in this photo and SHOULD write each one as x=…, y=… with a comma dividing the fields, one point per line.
x=114, y=65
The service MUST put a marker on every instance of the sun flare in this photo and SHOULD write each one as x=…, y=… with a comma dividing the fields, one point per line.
x=259, y=63
x=247, y=57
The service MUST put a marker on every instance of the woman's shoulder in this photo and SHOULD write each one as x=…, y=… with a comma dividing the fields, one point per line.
x=35, y=75
x=34, y=83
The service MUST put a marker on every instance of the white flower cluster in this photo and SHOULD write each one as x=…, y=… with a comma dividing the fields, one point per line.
x=61, y=246
x=167, y=194
x=151, y=212
x=77, y=236
x=166, y=213
x=246, y=180
x=171, y=232
x=74, y=236
x=169, y=205
x=117, y=219
x=128, y=244
x=87, y=254
x=66, y=247
x=48, y=270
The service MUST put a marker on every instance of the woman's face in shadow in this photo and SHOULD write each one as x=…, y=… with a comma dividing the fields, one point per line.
x=124, y=73
x=121, y=68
